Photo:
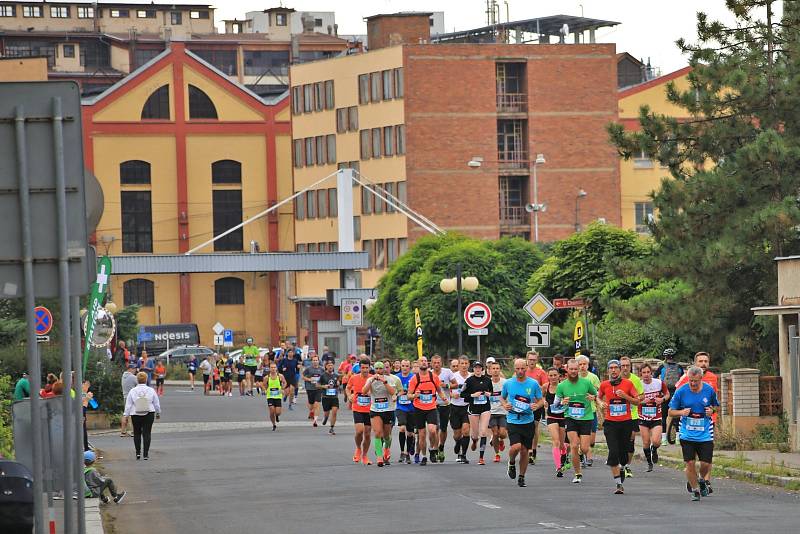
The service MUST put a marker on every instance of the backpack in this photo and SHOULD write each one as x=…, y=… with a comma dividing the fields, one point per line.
x=672, y=373
x=141, y=405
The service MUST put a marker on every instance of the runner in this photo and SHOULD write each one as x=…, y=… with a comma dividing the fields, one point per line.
x=259, y=374
x=655, y=395
x=521, y=397
x=241, y=372
x=626, y=366
x=577, y=394
x=228, y=373
x=345, y=372
x=360, y=404
x=459, y=420
x=275, y=386
x=382, y=391
x=215, y=374
x=536, y=372
x=250, y=353
x=288, y=367
x=329, y=381
x=556, y=424
x=192, y=367
x=670, y=373
x=703, y=361
x=422, y=389
x=311, y=377
x=583, y=372
x=447, y=381
x=405, y=414
x=161, y=373
x=497, y=419
x=696, y=405
x=477, y=390
x=617, y=397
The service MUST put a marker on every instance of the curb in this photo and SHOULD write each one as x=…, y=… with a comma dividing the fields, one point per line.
x=94, y=521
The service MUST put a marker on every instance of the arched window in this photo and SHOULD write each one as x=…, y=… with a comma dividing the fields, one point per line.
x=229, y=291
x=134, y=172
x=200, y=105
x=157, y=105
x=226, y=171
x=138, y=291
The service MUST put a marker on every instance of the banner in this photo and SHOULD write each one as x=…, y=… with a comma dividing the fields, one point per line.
x=418, y=323
x=99, y=290
x=578, y=337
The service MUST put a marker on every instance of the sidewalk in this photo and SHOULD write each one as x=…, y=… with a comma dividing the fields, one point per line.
x=94, y=522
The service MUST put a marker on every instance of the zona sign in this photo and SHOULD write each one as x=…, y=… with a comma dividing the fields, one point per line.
x=477, y=315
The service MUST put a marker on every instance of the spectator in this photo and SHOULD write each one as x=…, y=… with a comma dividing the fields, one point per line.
x=122, y=355
x=142, y=407
x=96, y=484
x=47, y=391
x=128, y=383
x=22, y=389
x=161, y=374
x=147, y=365
x=328, y=356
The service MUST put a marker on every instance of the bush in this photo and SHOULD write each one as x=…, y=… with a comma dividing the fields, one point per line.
x=6, y=436
x=105, y=377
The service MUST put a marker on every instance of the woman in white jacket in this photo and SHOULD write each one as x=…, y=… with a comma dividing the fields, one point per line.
x=142, y=407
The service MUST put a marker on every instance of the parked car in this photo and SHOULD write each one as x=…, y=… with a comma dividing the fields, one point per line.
x=236, y=354
x=182, y=353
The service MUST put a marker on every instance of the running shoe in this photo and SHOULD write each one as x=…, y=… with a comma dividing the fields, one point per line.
x=291, y=406
x=366, y=461
x=464, y=459
x=424, y=461
x=521, y=482
x=497, y=458
x=416, y=458
x=434, y=456
x=649, y=467
x=619, y=490
x=577, y=479
x=696, y=495
x=408, y=458
x=502, y=446
x=325, y=420
x=559, y=473
x=315, y=424
x=531, y=459
x=481, y=461
x=332, y=432
x=458, y=460
x=104, y=499
x=567, y=464
x=628, y=472
x=380, y=463
x=590, y=462
x=474, y=445
x=703, y=488
x=274, y=427
x=456, y=447
x=120, y=496
x=357, y=456
x=387, y=455
x=441, y=457
x=654, y=454
x=512, y=471
x=708, y=487
x=688, y=487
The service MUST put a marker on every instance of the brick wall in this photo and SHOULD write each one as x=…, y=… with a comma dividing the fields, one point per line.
x=393, y=30
x=450, y=110
x=745, y=393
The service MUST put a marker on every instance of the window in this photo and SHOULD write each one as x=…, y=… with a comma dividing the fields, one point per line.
x=200, y=105
x=322, y=203
x=331, y=148
x=301, y=247
x=229, y=291
x=388, y=86
x=85, y=12
x=297, y=100
x=341, y=120
x=388, y=140
x=401, y=139
x=398, y=83
x=8, y=11
x=27, y=48
x=333, y=246
x=391, y=250
x=352, y=119
x=642, y=160
x=643, y=212
x=120, y=13
x=389, y=188
x=95, y=54
x=300, y=207
x=311, y=204
x=377, y=145
x=227, y=207
x=157, y=105
x=308, y=98
x=310, y=152
x=319, y=141
x=401, y=192
x=138, y=292
x=32, y=11
x=378, y=200
x=333, y=205
x=380, y=254
x=402, y=246
x=356, y=227
x=59, y=12
x=68, y=50
x=366, y=246
x=375, y=86
x=367, y=199
x=175, y=18
x=329, y=99
x=298, y=153
x=226, y=171
x=365, y=144
x=198, y=14
x=318, y=97
x=224, y=60
x=363, y=88
x=280, y=19
x=134, y=172
x=312, y=247
x=137, y=221
x=143, y=55
x=317, y=23
x=146, y=14
x=323, y=247
x=263, y=62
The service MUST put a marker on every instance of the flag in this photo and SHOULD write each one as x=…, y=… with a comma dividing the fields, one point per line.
x=99, y=290
x=418, y=323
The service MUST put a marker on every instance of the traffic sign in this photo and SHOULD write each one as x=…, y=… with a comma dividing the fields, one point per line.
x=538, y=335
x=42, y=339
x=218, y=328
x=561, y=304
x=477, y=315
x=227, y=338
x=43, y=320
x=219, y=340
x=478, y=331
x=351, y=312
x=539, y=307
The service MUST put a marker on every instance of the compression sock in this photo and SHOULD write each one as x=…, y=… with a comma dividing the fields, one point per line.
x=464, y=445
x=557, y=457
x=648, y=454
x=533, y=452
x=410, y=442
x=483, y=445
x=387, y=442
x=402, y=439
x=441, y=447
x=378, y=442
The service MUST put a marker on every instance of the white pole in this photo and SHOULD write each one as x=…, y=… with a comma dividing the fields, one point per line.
x=344, y=202
x=535, y=205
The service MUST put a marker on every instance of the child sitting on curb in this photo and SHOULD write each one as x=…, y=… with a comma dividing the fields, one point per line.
x=96, y=484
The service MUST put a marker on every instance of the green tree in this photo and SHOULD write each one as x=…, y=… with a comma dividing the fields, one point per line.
x=731, y=204
x=127, y=319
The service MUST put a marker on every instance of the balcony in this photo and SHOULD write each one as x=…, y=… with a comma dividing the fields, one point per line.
x=514, y=216
x=512, y=103
x=513, y=160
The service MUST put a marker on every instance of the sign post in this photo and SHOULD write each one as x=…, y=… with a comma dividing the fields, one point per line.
x=478, y=315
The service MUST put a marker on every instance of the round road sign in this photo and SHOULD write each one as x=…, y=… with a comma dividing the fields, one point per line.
x=477, y=315
x=43, y=320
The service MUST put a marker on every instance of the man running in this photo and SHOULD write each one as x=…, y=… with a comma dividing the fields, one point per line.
x=626, y=365
x=696, y=405
x=577, y=394
x=381, y=387
x=422, y=389
x=311, y=377
x=655, y=395
x=669, y=372
x=536, y=372
x=241, y=375
x=250, y=353
x=447, y=381
x=288, y=367
x=191, y=365
x=360, y=403
x=521, y=397
x=477, y=390
x=329, y=382
x=405, y=414
x=206, y=368
x=616, y=398
x=459, y=420
x=275, y=386
x=583, y=372
x=703, y=361
x=497, y=419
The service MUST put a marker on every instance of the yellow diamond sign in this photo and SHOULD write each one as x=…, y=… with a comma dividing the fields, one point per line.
x=539, y=307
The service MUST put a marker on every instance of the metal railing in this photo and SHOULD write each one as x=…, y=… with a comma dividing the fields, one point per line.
x=512, y=102
x=513, y=159
x=514, y=215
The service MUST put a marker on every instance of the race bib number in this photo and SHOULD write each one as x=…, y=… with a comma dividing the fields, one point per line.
x=576, y=410
x=380, y=405
x=315, y=379
x=161, y=375
x=274, y=391
x=696, y=423
x=618, y=409
x=364, y=401
x=241, y=372
x=331, y=392
x=480, y=399
x=426, y=398
x=649, y=411
x=258, y=373
x=521, y=404
x=403, y=399
x=495, y=397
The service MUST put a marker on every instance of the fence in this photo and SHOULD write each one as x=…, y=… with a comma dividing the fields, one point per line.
x=770, y=395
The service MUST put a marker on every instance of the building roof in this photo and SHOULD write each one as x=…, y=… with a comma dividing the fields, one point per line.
x=238, y=262
x=400, y=14
x=632, y=90
x=135, y=5
x=550, y=25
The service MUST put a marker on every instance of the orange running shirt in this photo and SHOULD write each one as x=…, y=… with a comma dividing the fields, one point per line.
x=361, y=401
x=426, y=400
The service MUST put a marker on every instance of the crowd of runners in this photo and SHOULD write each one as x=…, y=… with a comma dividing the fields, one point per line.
x=424, y=400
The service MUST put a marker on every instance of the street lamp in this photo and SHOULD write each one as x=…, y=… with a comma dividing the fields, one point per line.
x=448, y=285
x=372, y=332
x=536, y=208
x=581, y=194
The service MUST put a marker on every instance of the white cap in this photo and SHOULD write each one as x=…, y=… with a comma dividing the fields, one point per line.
x=491, y=359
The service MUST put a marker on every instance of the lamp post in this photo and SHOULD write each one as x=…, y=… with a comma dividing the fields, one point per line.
x=536, y=206
x=581, y=194
x=448, y=285
x=371, y=331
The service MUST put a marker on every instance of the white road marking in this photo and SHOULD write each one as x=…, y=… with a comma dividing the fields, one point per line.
x=556, y=526
x=487, y=505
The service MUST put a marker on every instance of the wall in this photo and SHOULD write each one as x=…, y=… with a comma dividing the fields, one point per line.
x=388, y=30
x=23, y=69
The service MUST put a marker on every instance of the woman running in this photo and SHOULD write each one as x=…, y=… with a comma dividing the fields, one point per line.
x=477, y=390
x=382, y=388
x=656, y=395
x=556, y=424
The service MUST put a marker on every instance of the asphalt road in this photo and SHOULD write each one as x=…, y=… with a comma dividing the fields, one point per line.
x=216, y=466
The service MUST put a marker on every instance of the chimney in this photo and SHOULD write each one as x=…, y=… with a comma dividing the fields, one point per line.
x=397, y=29
x=308, y=23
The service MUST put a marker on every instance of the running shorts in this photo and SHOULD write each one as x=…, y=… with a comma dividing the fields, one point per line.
x=498, y=420
x=274, y=402
x=426, y=417
x=361, y=418
x=225, y=378
x=557, y=421
x=458, y=417
x=291, y=380
x=649, y=424
x=206, y=378
x=239, y=378
x=387, y=417
x=522, y=434
x=478, y=409
x=583, y=428
x=618, y=438
x=159, y=381
x=329, y=402
x=251, y=369
x=314, y=395
x=192, y=371
x=405, y=419
x=444, y=417
x=703, y=450
x=539, y=415
x=635, y=424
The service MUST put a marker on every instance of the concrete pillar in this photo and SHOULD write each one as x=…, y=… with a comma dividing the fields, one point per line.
x=745, y=392
x=723, y=393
